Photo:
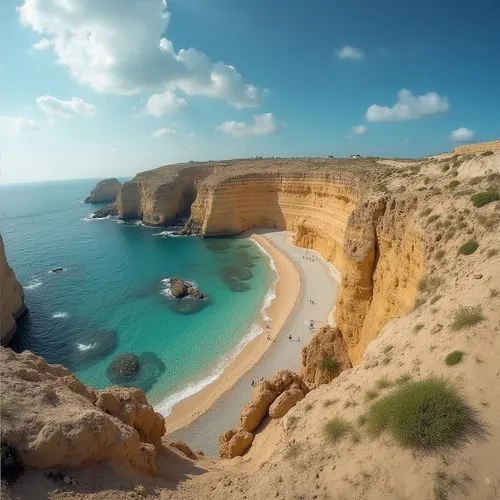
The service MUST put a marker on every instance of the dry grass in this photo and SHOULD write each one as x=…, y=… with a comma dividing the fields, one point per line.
x=467, y=316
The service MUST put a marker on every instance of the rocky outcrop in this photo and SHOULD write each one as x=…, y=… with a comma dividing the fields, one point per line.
x=11, y=298
x=274, y=398
x=105, y=191
x=478, y=147
x=184, y=449
x=180, y=289
x=324, y=357
x=53, y=420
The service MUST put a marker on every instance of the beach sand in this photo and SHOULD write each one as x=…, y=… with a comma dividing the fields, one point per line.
x=302, y=276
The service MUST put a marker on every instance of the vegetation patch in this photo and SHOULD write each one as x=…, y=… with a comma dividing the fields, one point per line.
x=468, y=247
x=426, y=212
x=453, y=358
x=12, y=466
x=371, y=395
x=330, y=364
x=453, y=184
x=484, y=197
x=426, y=414
x=293, y=451
x=383, y=383
x=439, y=254
x=467, y=316
x=402, y=379
x=433, y=218
x=430, y=284
x=418, y=327
x=336, y=429
x=487, y=153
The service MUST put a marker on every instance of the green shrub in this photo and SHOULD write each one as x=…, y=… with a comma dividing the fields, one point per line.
x=418, y=327
x=426, y=414
x=467, y=316
x=430, y=284
x=403, y=379
x=487, y=153
x=453, y=358
x=336, y=429
x=468, y=247
x=484, y=197
x=371, y=395
x=383, y=383
x=12, y=467
x=330, y=364
x=453, y=184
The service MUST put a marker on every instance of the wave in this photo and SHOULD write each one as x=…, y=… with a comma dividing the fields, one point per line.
x=165, y=406
x=60, y=315
x=33, y=284
x=171, y=234
x=85, y=347
x=271, y=293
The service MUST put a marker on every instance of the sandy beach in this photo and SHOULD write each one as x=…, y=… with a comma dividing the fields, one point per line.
x=302, y=276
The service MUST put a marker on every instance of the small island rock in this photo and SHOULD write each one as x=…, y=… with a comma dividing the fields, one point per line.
x=124, y=366
x=181, y=289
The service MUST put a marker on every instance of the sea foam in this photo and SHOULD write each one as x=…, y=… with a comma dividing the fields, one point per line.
x=33, y=284
x=85, y=347
x=60, y=315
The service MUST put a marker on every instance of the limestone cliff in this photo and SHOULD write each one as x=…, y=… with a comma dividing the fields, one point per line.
x=11, y=298
x=54, y=420
x=105, y=191
x=332, y=206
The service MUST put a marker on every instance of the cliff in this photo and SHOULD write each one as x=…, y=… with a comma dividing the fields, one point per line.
x=54, y=420
x=105, y=191
x=11, y=298
x=334, y=206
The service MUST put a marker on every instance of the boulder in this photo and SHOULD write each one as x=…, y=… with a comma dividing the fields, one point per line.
x=180, y=289
x=53, y=420
x=105, y=190
x=234, y=443
x=184, y=449
x=284, y=402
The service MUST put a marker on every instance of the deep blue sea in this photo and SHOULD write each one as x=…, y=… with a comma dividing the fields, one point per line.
x=110, y=297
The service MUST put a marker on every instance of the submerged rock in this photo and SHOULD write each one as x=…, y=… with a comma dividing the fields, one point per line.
x=124, y=366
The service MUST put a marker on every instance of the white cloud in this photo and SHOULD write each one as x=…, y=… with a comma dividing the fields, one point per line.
x=262, y=125
x=115, y=49
x=16, y=125
x=165, y=103
x=408, y=107
x=359, y=130
x=42, y=44
x=162, y=132
x=52, y=107
x=349, y=52
x=462, y=134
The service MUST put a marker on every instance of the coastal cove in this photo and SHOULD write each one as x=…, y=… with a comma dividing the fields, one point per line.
x=110, y=297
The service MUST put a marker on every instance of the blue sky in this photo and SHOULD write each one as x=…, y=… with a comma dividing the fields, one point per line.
x=92, y=88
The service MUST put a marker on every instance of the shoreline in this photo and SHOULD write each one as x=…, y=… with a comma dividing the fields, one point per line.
x=286, y=292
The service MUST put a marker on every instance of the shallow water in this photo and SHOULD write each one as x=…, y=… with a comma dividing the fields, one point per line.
x=111, y=297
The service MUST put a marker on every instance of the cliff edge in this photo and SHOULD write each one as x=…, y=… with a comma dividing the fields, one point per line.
x=105, y=191
x=11, y=298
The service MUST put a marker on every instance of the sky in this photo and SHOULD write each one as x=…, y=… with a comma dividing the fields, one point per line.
x=98, y=88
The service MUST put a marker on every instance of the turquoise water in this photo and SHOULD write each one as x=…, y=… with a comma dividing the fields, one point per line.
x=110, y=298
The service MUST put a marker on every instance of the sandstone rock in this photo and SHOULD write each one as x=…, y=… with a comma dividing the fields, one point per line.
x=436, y=328
x=181, y=289
x=264, y=394
x=477, y=276
x=105, y=190
x=131, y=407
x=55, y=421
x=184, y=449
x=284, y=402
x=327, y=343
x=234, y=443
x=11, y=299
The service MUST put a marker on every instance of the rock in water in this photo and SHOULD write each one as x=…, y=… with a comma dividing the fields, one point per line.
x=105, y=190
x=124, y=366
x=181, y=289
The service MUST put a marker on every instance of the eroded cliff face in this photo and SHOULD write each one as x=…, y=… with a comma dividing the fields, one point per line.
x=105, y=190
x=54, y=420
x=329, y=206
x=11, y=298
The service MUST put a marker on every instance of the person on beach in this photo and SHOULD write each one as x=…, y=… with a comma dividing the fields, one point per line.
x=290, y=337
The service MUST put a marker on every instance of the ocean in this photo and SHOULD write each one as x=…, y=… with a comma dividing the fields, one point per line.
x=111, y=296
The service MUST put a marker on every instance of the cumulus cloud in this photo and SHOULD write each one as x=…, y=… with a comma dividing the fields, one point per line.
x=462, y=134
x=42, y=44
x=16, y=125
x=262, y=125
x=116, y=49
x=359, y=130
x=349, y=52
x=162, y=132
x=164, y=103
x=408, y=107
x=53, y=107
